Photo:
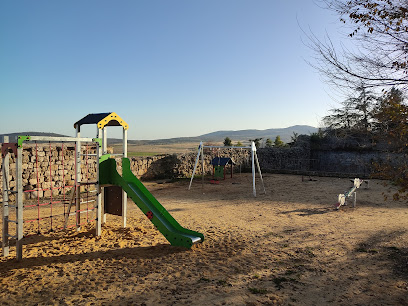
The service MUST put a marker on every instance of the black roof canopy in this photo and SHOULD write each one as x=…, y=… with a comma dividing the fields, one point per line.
x=102, y=120
x=222, y=161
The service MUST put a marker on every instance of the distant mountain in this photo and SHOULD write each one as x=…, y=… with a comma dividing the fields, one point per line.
x=241, y=135
x=284, y=133
x=218, y=136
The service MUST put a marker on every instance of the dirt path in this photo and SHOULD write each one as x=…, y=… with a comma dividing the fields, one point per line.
x=287, y=247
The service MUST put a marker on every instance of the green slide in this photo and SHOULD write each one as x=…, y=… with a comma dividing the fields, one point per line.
x=158, y=215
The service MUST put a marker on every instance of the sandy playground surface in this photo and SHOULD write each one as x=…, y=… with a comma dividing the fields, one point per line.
x=288, y=247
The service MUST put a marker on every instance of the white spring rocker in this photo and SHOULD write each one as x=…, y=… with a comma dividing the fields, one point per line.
x=342, y=199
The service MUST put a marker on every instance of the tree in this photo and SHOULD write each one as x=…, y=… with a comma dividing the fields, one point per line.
x=379, y=29
x=239, y=144
x=391, y=116
x=356, y=113
x=268, y=143
x=278, y=142
x=294, y=137
x=227, y=142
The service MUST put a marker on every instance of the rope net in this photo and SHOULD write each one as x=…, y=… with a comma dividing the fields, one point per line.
x=51, y=200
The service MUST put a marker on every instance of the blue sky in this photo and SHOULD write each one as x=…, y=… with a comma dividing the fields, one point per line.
x=169, y=68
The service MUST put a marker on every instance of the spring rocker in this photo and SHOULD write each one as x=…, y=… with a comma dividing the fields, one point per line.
x=342, y=198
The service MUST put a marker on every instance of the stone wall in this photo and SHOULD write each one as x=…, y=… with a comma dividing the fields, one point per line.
x=56, y=167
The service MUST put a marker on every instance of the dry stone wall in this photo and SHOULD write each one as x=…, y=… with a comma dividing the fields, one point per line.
x=55, y=167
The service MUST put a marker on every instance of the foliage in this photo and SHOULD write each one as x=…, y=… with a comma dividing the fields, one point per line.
x=387, y=124
x=131, y=154
x=278, y=142
x=239, y=144
x=379, y=30
x=391, y=115
x=317, y=138
x=227, y=142
x=294, y=137
x=268, y=143
x=355, y=114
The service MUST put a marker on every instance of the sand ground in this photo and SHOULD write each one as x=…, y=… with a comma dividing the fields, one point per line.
x=286, y=247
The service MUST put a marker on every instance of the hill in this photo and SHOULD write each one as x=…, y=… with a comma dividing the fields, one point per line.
x=284, y=133
x=218, y=136
x=242, y=135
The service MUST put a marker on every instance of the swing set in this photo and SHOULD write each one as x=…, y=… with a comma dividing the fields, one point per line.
x=219, y=164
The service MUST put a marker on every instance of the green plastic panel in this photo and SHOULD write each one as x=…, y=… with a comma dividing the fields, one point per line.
x=158, y=215
x=98, y=140
x=21, y=139
x=219, y=171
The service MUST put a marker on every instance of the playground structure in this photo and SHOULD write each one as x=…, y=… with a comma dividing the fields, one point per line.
x=52, y=202
x=254, y=163
x=342, y=198
x=220, y=166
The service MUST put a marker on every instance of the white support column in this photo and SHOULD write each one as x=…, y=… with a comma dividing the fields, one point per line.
x=98, y=188
x=104, y=151
x=78, y=180
x=6, y=188
x=196, y=164
x=124, y=194
x=259, y=171
x=104, y=141
x=253, y=149
x=202, y=167
x=19, y=212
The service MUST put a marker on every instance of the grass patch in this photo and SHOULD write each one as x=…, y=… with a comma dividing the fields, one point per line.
x=257, y=290
x=142, y=154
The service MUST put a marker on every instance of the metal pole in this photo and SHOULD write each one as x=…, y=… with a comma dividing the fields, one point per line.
x=124, y=194
x=104, y=151
x=253, y=149
x=78, y=180
x=259, y=171
x=196, y=163
x=355, y=199
x=6, y=188
x=98, y=189
x=19, y=166
x=202, y=167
